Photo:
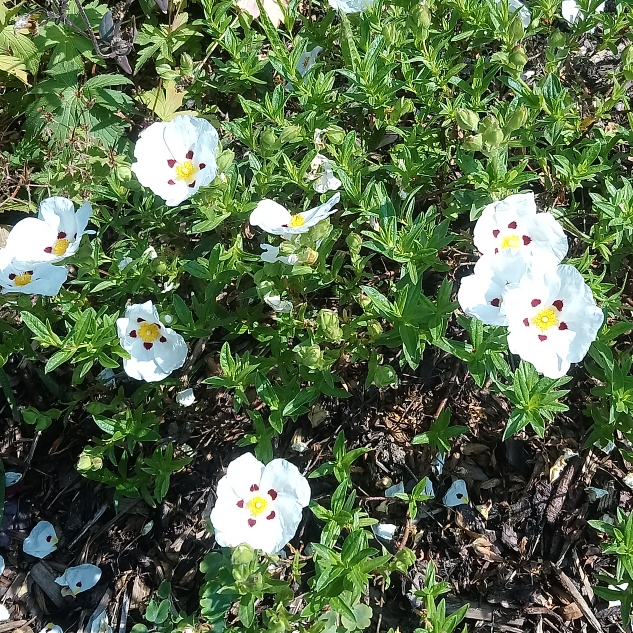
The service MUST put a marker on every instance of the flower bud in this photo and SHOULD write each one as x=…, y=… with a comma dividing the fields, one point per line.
x=467, y=119
x=363, y=300
x=518, y=58
x=225, y=159
x=516, y=120
x=354, y=243
x=84, y=463
x=390, y=33
x=123, y=172
x=319, y=231
x=335, y=134
x=159, y=266
x=473, y=143
x=557, y=39
x=374, y=329
x=290, y=134
x=309, y=256
x=308, y=355
x=269, y=140
x=516, y=29
x=242, y=555
x=492, y=135
x=422, y=17
x=328, y=324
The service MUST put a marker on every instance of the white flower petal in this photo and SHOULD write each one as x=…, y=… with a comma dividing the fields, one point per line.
x=314, y=216
x=11, y=478
x=80, y=578
x=277, y=304
x=243, y=473
x=186, y=397
x=457, y=494
x=351, y=6
x=52, y=628
x=42, y=540
x=384, y=531
x=285, y=478
x=570, y=10
x=271, y=217
x=516, y=6
x=175, y=159
x=1, y=565
x=392, y=490
x=552, y=319
x=100, y=624
x=307, y=60
x=4, y=613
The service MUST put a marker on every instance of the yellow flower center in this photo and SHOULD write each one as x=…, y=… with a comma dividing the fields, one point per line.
x=510, y=241
x=257, y=505
x=23, y=279
x=186, y=171
x=296, y=220
x=545, y=319
x=61, y=246
x=149, y=332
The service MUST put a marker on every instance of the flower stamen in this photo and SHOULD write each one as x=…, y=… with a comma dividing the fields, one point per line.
x=296, y=220
x=510, y=241
x=149, y=332
x=257, y=505
x=545, y=319
x=186, y=171
x=23, y=279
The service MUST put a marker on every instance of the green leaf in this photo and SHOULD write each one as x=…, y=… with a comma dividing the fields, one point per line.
x=59, y=358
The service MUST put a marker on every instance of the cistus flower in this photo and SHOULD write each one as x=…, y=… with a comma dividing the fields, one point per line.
x=78, y=579
x=351, y=6
x=259, y=505
x=552, y=319
x=277, y=303
x=481, y=294
x=513, y=224
x=155, y=350
x=42, y=540
x=572, y=12
x=456, y=495
x=175, y=159
x=307, y=60
x=30, y=279
x=277, y=220
x=54, y=235
x=186, y=397
x=271, y=255
x=323, y=175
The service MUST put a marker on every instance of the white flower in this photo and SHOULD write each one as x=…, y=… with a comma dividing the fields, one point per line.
x=552, y=319
x=100, y=624
x=384, y=531
x=319, y=143
x=516, y=6
x=11, y=478
x=572, y=12
x=186, y=397
x=276, y=303
x=30, y=279
x=54, y=235
x=351, y=6
x=52, y=628
x=42, y=540
x=323, y=175
x=125, y=262
x=259, y=505
x=513, y=224
x=175, y=159
x=307, y=60
x=271, y=255
x=78, y=579
x=277, y=220
x=457, y=494
x=156, y=350
x=481, y=294
x=4, y=613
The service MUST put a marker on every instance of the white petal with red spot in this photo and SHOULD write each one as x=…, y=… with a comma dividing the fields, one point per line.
x=79, y=579
x=259, y=505
x=54, y=235
x=552, y=319
x=175, y=159
x=456, y=495
x=156, y=351
x=277, y=220
x=31, y=279
x=42, y=540
x=481, y=294
x=513, y=224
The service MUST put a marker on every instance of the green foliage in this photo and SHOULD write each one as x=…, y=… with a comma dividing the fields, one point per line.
x=440, y=433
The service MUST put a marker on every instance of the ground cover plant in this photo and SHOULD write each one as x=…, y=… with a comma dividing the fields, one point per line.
x=316, y=316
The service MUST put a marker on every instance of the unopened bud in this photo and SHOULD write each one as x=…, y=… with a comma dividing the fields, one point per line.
x=290, y=134
x=374, y=329
x=516, y=29
x=516, y=120
x=269, y=140
x=242, y=555
x=492, y=135
x=309, y=355
x=473, y=143
x=309, y=256
x=467, y=119
x=557, y=39
x=354, y=243
x=363, y=300
x=328, y=323
x=225, y=159
x=335, y=134
x=518, y=58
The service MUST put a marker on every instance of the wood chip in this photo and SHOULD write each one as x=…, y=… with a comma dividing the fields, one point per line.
x=44, y=576
x=577, y=596
x=571, y=612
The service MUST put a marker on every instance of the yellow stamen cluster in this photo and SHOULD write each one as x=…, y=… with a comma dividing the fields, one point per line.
x=23, y=279
x=511, y=241
x=545, y=319
x=186, y=171
x=61, y=246
x=149, y=332
x=257, y=505
x=296, y=220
